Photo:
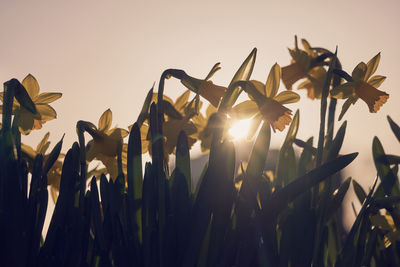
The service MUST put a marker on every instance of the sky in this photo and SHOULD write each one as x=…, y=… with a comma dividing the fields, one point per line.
x=107, y=54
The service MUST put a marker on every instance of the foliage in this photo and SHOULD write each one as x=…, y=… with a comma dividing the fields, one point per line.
x=130, y=217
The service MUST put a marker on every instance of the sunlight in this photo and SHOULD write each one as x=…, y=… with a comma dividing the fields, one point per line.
x=240, y=129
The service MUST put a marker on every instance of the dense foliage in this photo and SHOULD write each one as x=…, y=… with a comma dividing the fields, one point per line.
x=121, y=215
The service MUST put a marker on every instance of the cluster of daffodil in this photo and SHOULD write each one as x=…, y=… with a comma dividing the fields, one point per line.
x=264, y=104
x=309, y=64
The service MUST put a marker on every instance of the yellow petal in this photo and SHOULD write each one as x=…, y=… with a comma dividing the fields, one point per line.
x=25, y=122
x=259, y=86
x=287, y=97
x=105, y=120
x=31, y=85
x=45, y=98
x=372, y=96
x=244, y=110
x=46, y=112
x=182, y=100
x=210, y=110
x=291, y=74
x=213, y=70
x=276, y=114
x=28, y=151
x=342, y=91
x=376, y=80
x=213, y=93
x=358, y=73
x=273, y=81
x=91, y=150
x=372, y=65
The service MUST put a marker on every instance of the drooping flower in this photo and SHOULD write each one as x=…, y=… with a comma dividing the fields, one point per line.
x=177, y=117
x=206, y=88
x=305, y=64
x=362, y=85
x=27, y=120
x=265, y=103
x=104, y=145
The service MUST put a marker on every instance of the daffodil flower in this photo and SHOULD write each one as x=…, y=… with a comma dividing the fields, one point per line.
x=305, y=64
x=27, y=120
x=265, y=103
x=205, y=88
x=104, y=145
x=314, y=82
x=177, y=117
x=362, y=85
x=205, y=127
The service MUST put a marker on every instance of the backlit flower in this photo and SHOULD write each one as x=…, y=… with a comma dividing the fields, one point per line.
x=104, y=145
x=265, y=103
x=206, y=88
x=363, y=85
x=301, y=64
x=27, y=120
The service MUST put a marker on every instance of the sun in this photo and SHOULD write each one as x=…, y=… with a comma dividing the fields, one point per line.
x=240, y=129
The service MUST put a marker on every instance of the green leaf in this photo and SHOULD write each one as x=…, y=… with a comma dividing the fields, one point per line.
x=144, y=113
x=53, y=156
x=337, y=142
x=346, y=105
x=183, y=159
x=273, y=81
x=171, y=111
x=337, y=199
x=135, y=177
x=243, y=74
x=294, y=126
x=258, y=156
x=254, y=125
x=395, y=128
x=280, y=198
x=388, y=178
x=360, y=193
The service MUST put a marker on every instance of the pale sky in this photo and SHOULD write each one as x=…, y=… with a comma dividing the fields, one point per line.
x=107, y=54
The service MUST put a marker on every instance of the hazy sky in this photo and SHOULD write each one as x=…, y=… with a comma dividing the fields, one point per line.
x=107, y=54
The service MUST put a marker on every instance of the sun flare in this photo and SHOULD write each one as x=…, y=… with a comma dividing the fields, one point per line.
x=240, y=129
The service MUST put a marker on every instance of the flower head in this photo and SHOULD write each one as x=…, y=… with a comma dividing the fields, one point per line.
x=104, y=145
x=27, y=120
x=301, y=64
x=265, y=103
x=363, y=85
x=206, y=88
x=177, y=117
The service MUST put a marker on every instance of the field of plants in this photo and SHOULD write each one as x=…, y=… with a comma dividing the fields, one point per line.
x=120, y=214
